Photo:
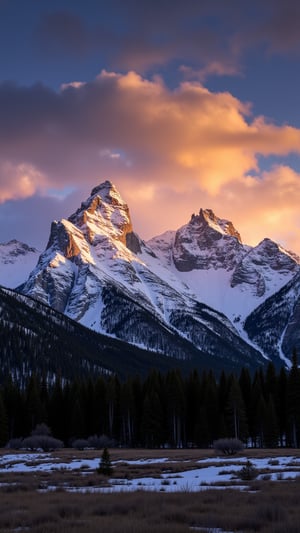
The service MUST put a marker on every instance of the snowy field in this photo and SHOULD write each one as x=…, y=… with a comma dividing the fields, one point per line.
x=170, y=475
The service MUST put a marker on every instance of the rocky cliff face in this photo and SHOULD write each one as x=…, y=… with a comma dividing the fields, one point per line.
x=193, y=287
x=206, y=242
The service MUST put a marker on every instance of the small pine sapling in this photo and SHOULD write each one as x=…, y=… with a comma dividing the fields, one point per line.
x=105, y=466
x=248, y=472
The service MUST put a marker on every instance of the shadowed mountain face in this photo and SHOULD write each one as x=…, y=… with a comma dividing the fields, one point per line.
x=194, y=287
x=36, y=339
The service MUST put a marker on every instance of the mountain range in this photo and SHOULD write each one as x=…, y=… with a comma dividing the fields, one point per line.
x=196, y=294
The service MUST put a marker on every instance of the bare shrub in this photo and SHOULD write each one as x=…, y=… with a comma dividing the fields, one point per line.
x=228, y=446
x=41, y=429
x=100, y=442
x=42, y=442
x=80, y=444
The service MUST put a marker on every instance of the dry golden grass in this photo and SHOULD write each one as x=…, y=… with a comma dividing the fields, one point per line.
x=273, y=509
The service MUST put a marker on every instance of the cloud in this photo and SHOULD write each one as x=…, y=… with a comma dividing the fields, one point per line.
x=280, y=30
x=210, y=38
x=271, y=27
x=185, y=135
x=140, y=35
x=168, y=151
x=215, y=68
x=19, y=181
x=267, y=206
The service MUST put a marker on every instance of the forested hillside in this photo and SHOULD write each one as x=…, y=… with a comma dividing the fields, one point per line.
x=34, y=338
x=162, y=409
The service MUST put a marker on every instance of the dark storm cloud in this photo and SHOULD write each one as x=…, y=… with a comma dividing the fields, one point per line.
x=281, y=29
x=139, y=35
x=142, y=35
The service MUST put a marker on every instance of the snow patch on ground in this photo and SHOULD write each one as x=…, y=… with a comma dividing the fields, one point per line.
x=220, y=473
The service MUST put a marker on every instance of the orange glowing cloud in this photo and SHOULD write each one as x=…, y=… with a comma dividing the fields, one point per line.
x=172, y=151
x=18, y=181
x=267, y=206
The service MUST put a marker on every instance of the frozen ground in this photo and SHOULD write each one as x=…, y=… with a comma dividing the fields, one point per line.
x=205, y=473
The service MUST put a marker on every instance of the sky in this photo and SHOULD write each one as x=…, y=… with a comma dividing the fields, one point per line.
x=181, y=104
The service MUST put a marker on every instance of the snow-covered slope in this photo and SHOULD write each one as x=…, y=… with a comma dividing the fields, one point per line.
x=17, y=259
x=208, y=256
x=191, y=288
x=97, y=271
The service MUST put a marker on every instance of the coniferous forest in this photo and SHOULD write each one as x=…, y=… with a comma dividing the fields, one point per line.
x=262, y=409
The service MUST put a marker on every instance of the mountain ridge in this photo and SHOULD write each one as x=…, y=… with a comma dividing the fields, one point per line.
x=199, y=283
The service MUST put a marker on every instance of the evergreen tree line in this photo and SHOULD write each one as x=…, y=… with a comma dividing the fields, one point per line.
x=263, y=409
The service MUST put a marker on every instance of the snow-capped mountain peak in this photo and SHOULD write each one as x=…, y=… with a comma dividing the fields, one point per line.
x=17, y=259
x=225, y=227
x=103, y=213
x=192, y=287
x=206, y=242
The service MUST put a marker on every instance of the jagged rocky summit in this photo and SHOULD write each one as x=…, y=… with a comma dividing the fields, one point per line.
x=197, y=288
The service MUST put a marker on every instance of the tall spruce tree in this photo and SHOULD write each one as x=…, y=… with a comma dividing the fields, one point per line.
x=271, y=432
x=281, y=405
x=293, y=403
x=3, y=424
x=176, y=407
x=211, y=405
x=236, y=411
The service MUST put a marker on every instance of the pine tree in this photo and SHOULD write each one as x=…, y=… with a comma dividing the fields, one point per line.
x=192, y=395
x=281, y=405
x=14, y=407
x=127, y=412
x=271, y=432
x=113, y=406
x=211, y=406
x=257, y=411
x=293, y=403
x=105, y=466
x=34, y=406
x=153, y=430
x=176, y=407
x=101, y=423
x=236, y=411
x=259, y=421
x=3, y=424
x=246, y=390
x=57, y=416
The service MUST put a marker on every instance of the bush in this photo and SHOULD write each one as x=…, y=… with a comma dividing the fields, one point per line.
x=228, y=446
x=41, y=429
x=100, y=442
x=80, y=444
x=248, y=472
x=42, y=442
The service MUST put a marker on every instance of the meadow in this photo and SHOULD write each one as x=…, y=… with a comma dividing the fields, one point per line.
x=155, y=491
